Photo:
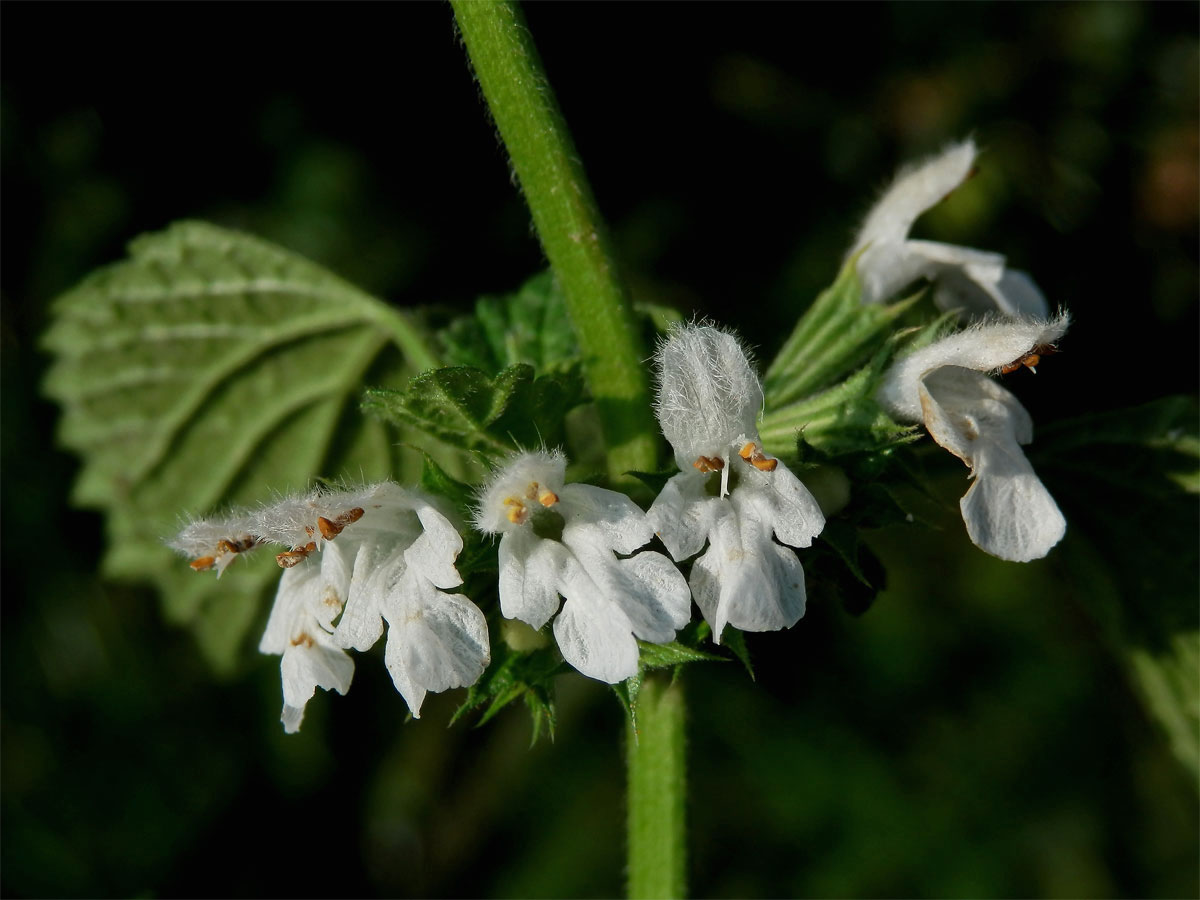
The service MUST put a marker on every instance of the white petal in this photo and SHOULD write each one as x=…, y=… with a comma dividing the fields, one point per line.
x=377, y=570
x=1018, y=295
x=707, y=394
x=978, y=284
x=433, y=553
x=621, y=521
x=646, y=588
x=306, y=667
x=1008, y=512
x=296, y=591
x=746, y=579
x=658, y=602
x=885, y=268
x=916, y=189
x=983, y=348
x=682, y=514
x=785, y=504
x=530, y=571
x=436, y=641
x=594, y=635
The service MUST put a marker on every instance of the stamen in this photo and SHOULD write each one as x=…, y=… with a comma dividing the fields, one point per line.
x=547, y=497
x=519, y=513
x=329, y=529
x=753, y=454
x=289, y=558
x=708, y=464
x=203, y=564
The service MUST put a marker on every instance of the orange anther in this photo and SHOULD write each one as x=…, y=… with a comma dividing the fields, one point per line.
x=203, y=564
x=547, y=498
x=289, y=558
x=350, y=516
x=763, y=463
x=748, y=451
x=518, y=515
x=329, y=529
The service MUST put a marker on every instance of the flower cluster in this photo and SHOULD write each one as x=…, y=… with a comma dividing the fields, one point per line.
x=353, y=560
x=734, y=515
x=945, y=386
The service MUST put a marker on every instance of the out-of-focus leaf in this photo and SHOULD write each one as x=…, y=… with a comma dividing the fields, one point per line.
x=209, y=369
x=1126, y=481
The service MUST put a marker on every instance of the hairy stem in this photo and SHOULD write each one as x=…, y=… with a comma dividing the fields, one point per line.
x=568, y=224
x=657, y=789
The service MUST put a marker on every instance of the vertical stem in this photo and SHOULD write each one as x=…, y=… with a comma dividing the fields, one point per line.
x=657, y=787
x=568, y=224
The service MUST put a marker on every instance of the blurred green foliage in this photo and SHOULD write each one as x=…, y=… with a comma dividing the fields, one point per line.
x=973, y=733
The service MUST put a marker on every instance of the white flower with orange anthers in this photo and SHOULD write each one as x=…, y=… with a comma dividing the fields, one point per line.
x=945, y=386
x=729, y=493
x=355, y=559
x=563, y=539
x=973, y=281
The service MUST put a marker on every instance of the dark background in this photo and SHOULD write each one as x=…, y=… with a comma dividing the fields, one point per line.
x=972, y=734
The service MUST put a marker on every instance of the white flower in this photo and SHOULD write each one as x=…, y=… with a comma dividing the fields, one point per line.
x=368, y=555
x=563, y=539
x=973, y=281
x=729, y=493
x=1008, y=512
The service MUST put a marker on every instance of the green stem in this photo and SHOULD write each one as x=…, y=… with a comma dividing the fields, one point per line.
x=657, y=787
x=568, y=223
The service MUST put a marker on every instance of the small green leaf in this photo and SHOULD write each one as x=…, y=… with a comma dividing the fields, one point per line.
x=735, y=642
x=516, y=675
x=836, y=335
x=662, y=656
x=467, y=408
x=842, y=420
x=528, y=326
x=209, y=369
x=435, y=480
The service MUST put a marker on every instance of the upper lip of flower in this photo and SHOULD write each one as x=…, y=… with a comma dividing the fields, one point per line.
x=976, y=280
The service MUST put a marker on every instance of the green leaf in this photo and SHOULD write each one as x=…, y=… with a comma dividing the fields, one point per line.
x=836, y=335
x=662, y=656
x=435, y=480
x=209, y=369
x=842, y=420
x=734, y=641
x=1127, y=483
x=467, y=408
x=528, y=326
x=516, y=675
